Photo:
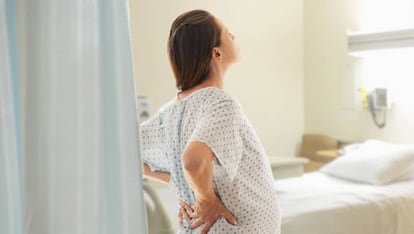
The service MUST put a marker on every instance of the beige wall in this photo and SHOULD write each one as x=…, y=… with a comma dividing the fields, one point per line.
x=269, y=78
x=332, y=78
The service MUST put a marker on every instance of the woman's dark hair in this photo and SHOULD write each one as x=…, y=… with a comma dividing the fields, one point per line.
x=193, y=36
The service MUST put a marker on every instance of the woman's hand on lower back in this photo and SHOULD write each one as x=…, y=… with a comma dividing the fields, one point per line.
x=205, y=212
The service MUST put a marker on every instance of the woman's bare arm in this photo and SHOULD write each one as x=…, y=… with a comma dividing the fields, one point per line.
x=160, y=175
x=198, y=169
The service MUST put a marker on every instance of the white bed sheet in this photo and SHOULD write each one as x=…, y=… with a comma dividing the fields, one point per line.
x=319, y=204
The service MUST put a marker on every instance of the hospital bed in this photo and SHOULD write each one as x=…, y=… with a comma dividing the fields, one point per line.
x=320, y=204
x=368, y=190
x=324, y=203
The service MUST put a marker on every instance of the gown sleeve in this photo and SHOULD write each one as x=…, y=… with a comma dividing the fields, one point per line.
x=219, y=129
x=152, y=145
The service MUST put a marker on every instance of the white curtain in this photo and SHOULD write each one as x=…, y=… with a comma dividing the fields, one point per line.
x=70, y=164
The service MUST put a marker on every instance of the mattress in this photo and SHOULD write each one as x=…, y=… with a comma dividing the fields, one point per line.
x=319, y=204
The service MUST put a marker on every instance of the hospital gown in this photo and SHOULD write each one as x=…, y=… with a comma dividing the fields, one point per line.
x=242, y=177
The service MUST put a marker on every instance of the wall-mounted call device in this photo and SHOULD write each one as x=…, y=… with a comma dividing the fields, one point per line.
x=378, y=102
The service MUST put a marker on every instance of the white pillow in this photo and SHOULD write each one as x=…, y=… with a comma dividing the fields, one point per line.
x=374, y=162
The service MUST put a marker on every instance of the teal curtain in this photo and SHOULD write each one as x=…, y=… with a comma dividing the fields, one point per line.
x=69, y=156
x=10, y=134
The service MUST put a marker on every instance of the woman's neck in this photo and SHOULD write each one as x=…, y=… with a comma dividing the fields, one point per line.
x=214, y=80
x=205, y=84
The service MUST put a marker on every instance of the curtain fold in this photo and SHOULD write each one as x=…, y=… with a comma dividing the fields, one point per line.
x=10, y=134
x=75, y=168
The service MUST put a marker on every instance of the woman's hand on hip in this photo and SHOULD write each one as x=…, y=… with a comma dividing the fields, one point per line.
x=205, y=212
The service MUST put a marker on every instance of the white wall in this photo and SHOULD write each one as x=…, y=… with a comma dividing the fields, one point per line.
x=331, y=102
x=269, y=78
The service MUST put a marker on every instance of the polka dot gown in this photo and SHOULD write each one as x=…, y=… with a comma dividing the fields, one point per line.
x=242, y=177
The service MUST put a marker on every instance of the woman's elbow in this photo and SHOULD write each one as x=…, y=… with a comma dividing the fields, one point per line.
x=196, y=157
x=192, y=163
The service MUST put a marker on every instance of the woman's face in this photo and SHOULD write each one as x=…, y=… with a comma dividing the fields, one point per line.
x=229, y=49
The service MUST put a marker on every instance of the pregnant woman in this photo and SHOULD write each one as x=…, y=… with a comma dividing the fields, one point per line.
x=203, y=141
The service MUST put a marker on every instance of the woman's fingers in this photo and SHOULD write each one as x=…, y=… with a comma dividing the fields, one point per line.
x=229, y=216
x=204, y=214
x=185, y=209
x=206, y=228
x=197, y=223
x=184, y=214
x=184, y=205
x=194, y=215
x=180, y=218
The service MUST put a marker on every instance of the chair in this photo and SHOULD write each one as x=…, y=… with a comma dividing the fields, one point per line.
x=319, y=149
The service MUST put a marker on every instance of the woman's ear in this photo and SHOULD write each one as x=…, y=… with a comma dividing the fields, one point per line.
x=216, y=54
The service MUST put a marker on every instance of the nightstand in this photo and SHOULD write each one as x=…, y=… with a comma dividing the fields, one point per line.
x=283, y=167
x=327, y=155
x=319, y=159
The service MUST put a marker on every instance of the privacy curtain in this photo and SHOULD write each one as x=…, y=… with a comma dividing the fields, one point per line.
x=69, y=159
x=10, y=134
